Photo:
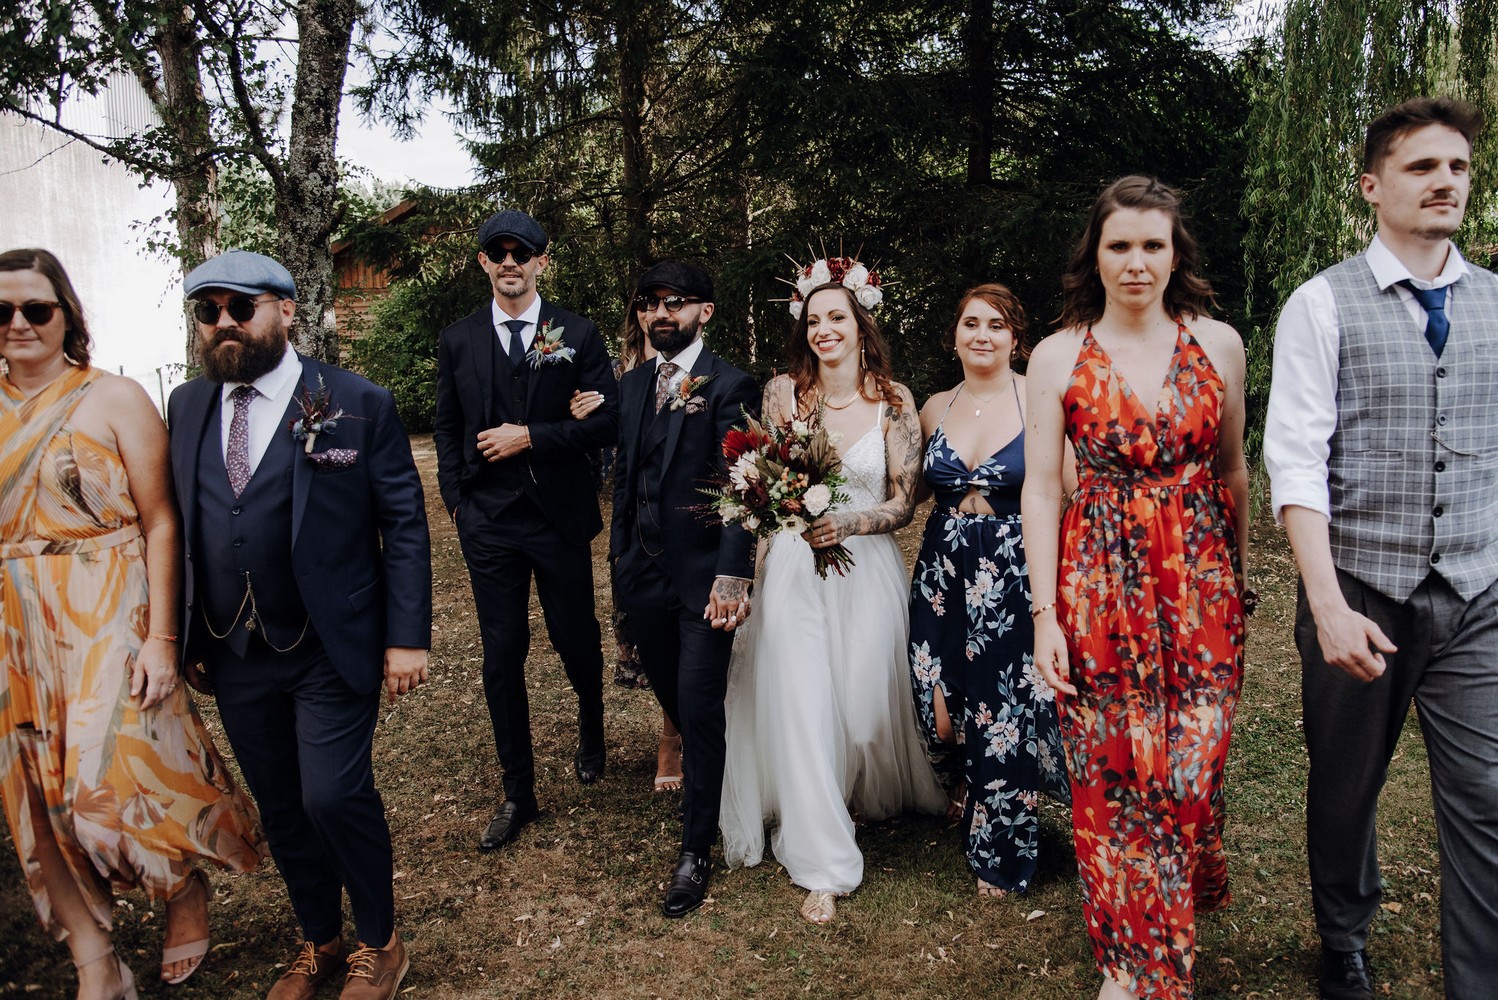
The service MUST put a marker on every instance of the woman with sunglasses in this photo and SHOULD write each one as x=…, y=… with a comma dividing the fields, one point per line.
x=634, y=350
x=106, y=772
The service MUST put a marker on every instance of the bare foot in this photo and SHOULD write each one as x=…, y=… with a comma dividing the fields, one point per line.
x=991, y=891
x=668, y=773
x=186, y=940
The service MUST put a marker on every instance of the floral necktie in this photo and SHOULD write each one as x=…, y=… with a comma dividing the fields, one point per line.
x=664, y=375
x=238, y=458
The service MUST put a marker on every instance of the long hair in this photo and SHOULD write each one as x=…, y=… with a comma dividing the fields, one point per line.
x=76, y=342
x=1008, y=306
x=873, y=355
x=631, y=339
x=1187, y=293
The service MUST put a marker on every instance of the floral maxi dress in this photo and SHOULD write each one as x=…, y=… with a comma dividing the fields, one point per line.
x=129, y=796
x=1150, y=604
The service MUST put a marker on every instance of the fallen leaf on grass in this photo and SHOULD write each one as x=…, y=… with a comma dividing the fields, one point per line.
x=1034, y=915
x=1391, y=907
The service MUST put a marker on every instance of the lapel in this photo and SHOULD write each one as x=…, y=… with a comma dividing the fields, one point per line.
x=532, y=375
x=301, y=471
x=672, y=419
x=197, y=408
x=636, y=409
x=481, y=346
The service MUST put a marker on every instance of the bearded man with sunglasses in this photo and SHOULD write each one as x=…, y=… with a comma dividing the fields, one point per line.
x=680, y=574
x=306, y=588
x=513, y=468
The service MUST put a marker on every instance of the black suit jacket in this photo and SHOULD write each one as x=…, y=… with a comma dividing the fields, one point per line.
x=557, y=461
x=697, y=546
x=359, y=544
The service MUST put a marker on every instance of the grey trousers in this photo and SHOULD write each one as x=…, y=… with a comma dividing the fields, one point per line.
x=1448, y=665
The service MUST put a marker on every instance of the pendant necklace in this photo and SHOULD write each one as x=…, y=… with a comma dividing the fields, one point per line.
x=985, y=400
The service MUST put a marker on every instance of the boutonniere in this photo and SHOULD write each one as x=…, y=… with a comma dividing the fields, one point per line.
x=547, y=348
x=319, y=416
x=685, y=390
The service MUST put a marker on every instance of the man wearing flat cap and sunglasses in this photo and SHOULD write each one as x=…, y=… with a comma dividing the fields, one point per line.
x=306, y=588
x=680, y=574
x=513, y=468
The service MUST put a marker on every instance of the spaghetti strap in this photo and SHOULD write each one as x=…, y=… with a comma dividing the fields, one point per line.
x=957, y=392
x=1018, y=408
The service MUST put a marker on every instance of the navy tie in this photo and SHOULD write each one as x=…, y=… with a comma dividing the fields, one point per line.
x=517, y=349
x=1437, y=325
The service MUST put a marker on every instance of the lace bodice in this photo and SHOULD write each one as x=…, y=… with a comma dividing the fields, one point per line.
x=867, y=468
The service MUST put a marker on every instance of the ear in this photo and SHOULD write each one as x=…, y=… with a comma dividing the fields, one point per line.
x=1368, y=185
x=707, y=312
x=541, y=261
x=484, y=261
x=288, y=311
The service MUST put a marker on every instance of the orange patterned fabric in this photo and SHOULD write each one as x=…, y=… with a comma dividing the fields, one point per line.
x=1150, y=603
x=129, y=796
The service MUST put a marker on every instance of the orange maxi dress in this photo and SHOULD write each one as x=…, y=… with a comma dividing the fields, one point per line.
x=130, y=796
x=1150, y=603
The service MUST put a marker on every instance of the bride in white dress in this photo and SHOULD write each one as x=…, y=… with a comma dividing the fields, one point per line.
x=821, y=727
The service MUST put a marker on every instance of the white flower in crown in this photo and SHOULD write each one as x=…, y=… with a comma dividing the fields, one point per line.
x=862, y=283
x=855, y=277
x=795, y=307
x=869, y=296
x=820, y=274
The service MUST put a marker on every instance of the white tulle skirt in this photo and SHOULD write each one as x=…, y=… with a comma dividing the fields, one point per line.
x=820, y=717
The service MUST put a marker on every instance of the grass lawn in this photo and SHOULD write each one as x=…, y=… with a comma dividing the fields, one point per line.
x=572, y=909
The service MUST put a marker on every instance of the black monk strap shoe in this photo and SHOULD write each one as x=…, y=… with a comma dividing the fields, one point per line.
x=688, y=885
x=509, y=819
x=588, y=763
x=1344, y=975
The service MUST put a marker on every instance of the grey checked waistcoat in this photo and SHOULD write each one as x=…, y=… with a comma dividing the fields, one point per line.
x=1413, y=468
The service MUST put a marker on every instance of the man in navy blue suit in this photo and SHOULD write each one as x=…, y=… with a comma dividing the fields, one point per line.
x=307, y=588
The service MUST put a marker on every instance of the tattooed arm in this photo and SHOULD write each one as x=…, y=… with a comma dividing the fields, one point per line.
x=728, y=603
x=902, y=444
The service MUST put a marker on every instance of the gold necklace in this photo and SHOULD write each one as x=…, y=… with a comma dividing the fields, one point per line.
x=836, y=406
x=985, y=400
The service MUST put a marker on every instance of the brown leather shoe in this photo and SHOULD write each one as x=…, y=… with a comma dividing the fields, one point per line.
x=375, y=973
x=311, y=968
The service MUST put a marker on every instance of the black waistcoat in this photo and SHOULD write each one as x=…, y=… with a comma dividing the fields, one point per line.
x=499, y=484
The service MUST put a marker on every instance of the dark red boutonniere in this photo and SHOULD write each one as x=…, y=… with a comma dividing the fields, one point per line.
x=684, y=394
x=320, y=416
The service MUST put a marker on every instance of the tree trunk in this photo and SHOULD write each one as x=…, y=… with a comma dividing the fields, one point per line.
x=978, y=54
x=307, y=209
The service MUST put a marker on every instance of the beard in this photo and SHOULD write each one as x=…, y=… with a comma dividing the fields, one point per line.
x=235, y=356
x=670, y=337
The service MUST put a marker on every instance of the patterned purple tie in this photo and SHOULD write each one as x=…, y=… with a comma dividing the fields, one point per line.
x=238, y=458
x=663, y=383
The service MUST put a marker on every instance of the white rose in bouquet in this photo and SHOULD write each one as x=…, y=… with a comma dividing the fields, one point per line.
x=817, y=499
x=869, y=296
x=800, y=428
x=731, y=512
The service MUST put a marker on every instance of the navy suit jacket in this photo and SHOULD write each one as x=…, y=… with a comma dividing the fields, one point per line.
x=557, y=463
x=359, y=544
x=697, y=546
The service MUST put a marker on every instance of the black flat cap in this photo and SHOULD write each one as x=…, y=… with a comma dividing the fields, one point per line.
x=687, y=279
x=516, y=225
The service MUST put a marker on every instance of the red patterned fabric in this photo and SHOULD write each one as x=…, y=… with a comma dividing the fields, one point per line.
x=1149, y=600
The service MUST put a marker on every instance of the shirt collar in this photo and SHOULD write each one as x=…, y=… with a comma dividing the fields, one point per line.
x=1390, y=270
x=686, y=359
x=274, y=384
x=532, y=314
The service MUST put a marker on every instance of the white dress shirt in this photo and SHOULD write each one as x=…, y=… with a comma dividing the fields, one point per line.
x=1302, y=413
x=276, y=386
x=684, y=360
x=532, y=317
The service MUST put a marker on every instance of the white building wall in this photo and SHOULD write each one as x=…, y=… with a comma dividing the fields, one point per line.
x=96, y=216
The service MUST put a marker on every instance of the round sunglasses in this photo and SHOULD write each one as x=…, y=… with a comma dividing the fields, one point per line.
x=673, y=303
x=36, y=313
x=497, y=253
x=241, y=309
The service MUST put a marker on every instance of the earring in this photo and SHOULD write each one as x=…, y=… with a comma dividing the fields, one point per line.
x=863, y=363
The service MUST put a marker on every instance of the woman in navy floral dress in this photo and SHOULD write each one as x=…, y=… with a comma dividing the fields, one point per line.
x=987, y=715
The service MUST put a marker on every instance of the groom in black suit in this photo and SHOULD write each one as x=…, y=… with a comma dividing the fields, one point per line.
x=681, y=576
x=307, y=586
x=513, y=469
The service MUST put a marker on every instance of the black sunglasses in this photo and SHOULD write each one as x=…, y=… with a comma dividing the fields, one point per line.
x=496, y=254
x=241, y=309
x=36, y=313
x=673, y=303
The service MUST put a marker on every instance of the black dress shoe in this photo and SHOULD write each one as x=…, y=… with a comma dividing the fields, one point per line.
x=1344, y=975
x=688, y=885
x=588, y=763
x=507, y=823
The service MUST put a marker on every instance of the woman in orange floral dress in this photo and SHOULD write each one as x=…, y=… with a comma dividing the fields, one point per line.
x=106, y=773
x=1142, y=634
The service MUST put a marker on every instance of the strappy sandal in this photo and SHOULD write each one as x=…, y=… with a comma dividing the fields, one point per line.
x=668, y=782
x=127, y=978
x=193, y=951
x=957, y=802
x=819, y=907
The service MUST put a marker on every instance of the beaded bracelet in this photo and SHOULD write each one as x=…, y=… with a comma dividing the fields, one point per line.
x=1037, y=612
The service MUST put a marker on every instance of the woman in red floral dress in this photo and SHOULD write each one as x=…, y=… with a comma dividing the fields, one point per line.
x=1142, y=634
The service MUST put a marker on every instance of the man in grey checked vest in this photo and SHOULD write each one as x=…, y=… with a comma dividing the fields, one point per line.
x=1382, y=449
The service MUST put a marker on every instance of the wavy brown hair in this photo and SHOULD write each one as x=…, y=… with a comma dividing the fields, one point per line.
x=631, y=338
x=873, y=354
x=1187, y=294
x=76, y=342
x=1416, y=113
x=1008, y=306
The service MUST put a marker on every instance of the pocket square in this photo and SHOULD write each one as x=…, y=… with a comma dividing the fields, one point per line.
x=334, y=458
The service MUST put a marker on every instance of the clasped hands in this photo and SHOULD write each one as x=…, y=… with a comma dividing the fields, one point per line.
x=503, y=441
x=728, y=603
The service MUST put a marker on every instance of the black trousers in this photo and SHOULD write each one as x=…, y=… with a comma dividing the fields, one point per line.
x=303, y=737
x=503, y=553
x=686, y=660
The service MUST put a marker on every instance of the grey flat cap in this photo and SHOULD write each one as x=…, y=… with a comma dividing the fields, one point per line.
x=240, y=271
x=516, y=225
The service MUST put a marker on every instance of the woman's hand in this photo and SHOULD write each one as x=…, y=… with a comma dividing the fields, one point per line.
x=827, y=531
x=153, y=678
x=1050, y=653
x=584, y=403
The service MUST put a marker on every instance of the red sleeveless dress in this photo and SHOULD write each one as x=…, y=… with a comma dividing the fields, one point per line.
x=1149, y=600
